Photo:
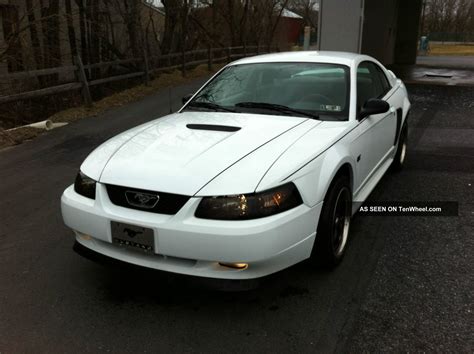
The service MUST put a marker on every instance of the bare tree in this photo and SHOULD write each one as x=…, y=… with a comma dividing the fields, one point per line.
x=173, y=15
x=50, y=25
x=449, y=16
x=70, y=27
x=306, y=9
x=37, y=54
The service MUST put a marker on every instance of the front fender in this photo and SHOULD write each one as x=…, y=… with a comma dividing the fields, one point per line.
x=312, y=162
x=314, y=179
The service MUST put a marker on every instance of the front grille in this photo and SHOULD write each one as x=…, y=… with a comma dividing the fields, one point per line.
x=168, y=203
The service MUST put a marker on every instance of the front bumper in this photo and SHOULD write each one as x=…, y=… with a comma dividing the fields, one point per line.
x=188, y=245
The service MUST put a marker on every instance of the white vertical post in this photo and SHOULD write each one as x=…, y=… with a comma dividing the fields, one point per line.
x=320, y=23
x=307, y=34
x=361, y=26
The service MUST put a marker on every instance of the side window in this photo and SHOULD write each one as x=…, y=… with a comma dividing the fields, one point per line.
x=383, y=80
x=369, y=82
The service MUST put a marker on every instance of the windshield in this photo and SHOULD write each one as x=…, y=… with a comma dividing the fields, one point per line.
x=299, y=89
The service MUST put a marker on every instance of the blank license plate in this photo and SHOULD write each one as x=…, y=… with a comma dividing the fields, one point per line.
x=132, y=236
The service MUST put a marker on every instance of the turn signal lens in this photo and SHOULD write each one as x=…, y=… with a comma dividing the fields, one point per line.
x=250, y=206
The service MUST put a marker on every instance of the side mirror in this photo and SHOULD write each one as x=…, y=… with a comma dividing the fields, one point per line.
x=373, y=106
x=187, y=98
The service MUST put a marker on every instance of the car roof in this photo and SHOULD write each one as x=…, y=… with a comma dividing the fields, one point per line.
x=344, y=58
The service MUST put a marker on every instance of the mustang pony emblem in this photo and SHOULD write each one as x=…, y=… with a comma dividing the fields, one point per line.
x=131, y=233
x=142, y=200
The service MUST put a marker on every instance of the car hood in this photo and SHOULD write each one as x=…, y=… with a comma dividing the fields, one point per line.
x=166, y=155
x=270, y=165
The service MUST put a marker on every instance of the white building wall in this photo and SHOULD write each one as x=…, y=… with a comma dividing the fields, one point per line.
x=340, y=25
x=384, y=29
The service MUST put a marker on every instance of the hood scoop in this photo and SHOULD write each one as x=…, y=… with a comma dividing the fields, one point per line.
x=213, y=127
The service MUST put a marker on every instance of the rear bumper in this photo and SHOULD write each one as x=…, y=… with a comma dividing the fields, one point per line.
x=188, y=245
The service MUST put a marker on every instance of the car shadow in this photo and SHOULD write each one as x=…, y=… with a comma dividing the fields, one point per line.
x=123, y=283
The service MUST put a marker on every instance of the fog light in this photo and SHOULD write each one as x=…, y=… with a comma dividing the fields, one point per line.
x=234, y=265
x=84, y=237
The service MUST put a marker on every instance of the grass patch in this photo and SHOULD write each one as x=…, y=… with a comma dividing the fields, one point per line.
x=17, y=136
x=451, y=49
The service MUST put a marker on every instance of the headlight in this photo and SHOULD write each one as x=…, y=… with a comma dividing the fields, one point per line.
x=250, y=206
x=84, y=185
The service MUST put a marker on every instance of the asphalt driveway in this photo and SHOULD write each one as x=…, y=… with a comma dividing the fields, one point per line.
x=447, y=61
x=406, y=284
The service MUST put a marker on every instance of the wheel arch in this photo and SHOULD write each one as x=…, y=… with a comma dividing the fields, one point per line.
x=345, y=170
x=319, y=252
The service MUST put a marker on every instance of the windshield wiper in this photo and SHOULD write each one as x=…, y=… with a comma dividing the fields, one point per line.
x=209, y=105
x=276, y=107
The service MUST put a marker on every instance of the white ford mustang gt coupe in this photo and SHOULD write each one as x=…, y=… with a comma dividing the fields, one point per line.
x=259, y=170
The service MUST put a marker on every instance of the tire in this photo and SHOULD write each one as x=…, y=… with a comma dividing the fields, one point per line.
x=400, y=156
x=333, y=226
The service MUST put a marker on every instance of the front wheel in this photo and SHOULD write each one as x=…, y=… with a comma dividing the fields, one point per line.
x=333, y=226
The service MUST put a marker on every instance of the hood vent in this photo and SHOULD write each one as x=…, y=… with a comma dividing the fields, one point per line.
x=218, y=128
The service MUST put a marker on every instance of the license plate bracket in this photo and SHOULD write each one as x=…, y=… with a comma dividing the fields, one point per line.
x=133, y=236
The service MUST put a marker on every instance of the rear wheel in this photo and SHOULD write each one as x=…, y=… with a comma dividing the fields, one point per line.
x=333, y=227
x=400, y=155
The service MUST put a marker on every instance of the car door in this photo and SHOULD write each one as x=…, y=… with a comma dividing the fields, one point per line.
x=375, y=133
